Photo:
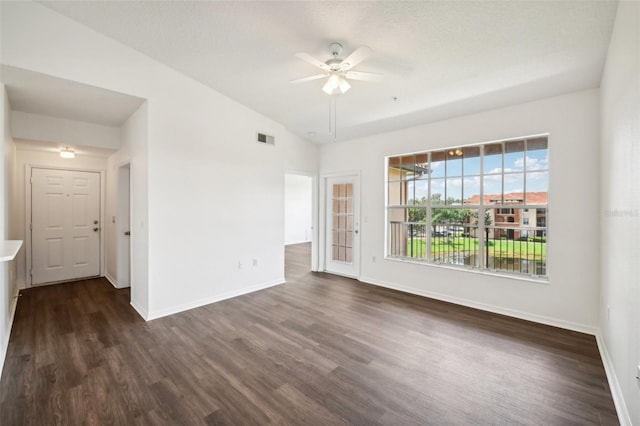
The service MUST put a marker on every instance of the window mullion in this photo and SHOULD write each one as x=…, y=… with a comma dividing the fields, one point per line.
x=481, y=212
x=427, y=229
x=502, y=174
x=524, y=175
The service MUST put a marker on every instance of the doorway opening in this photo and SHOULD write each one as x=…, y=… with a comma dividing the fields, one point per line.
x=123, y=227
x=299, y=219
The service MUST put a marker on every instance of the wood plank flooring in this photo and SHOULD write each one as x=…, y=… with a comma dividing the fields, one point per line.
x=319, y=350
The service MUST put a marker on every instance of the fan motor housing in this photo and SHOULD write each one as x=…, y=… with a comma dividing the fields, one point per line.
x=335, y=49
x=334, y=64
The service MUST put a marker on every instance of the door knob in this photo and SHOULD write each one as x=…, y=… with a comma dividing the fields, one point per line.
x=96, y=229
x=127, y=233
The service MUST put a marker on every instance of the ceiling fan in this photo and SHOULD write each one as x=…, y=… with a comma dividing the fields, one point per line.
x=339, y=70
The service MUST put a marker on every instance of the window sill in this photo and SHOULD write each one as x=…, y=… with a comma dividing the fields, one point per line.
x=537, y=280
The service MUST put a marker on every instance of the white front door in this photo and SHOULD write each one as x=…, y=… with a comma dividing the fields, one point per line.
x=65, y=223
x=342, y=226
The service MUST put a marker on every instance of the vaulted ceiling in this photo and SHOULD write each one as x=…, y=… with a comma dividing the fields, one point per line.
x=439, y=58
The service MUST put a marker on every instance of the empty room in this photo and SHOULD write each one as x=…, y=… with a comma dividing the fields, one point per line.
x=283, y=212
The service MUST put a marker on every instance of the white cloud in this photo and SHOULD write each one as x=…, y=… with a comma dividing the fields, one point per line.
x=533, y=163
x=507, y=170
x=474, y=180
x=454, y=183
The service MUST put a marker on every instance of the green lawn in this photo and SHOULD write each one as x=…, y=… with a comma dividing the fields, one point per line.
x=497, y=248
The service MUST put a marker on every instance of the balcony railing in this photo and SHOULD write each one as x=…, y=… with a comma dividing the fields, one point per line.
x=519, y=250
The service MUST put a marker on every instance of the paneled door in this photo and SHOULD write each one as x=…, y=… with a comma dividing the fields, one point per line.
x=343, y=226
x=65, y=225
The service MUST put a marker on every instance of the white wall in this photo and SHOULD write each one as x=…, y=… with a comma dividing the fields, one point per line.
x=570, y=299
x=215, y=197
x=8, y=287
x=298, y=191
x=60, y=131
x=620, y=209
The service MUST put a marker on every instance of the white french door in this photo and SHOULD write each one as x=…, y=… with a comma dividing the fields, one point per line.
x=342, y=221
x=65, y=225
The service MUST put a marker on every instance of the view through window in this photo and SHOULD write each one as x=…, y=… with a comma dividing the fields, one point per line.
x=482, y=207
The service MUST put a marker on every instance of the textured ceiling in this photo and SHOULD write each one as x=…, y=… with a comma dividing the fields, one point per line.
x=440, y=58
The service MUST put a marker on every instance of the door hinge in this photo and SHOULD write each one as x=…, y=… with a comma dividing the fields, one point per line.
x=31, y=272
x=31, y=180
x=31, y=226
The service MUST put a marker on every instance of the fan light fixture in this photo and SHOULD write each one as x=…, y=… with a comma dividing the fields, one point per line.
x=344, y=86
x=334, y=84
x=338, y=71
x=67, y=152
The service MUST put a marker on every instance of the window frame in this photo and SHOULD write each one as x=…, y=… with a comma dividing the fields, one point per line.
x=503, y=204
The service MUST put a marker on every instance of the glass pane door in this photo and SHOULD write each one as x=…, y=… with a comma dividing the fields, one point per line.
x=342, y=222
x=342, y=226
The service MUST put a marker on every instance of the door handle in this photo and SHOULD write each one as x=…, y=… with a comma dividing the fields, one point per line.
x=96, y=229
x=127, y=233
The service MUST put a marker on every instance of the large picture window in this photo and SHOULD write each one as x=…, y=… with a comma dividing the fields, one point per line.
x=482, y=207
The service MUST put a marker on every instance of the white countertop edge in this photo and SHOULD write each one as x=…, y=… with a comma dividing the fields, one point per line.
x=9, y=249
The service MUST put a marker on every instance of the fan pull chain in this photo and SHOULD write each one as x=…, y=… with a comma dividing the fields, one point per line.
x=335, y=119
x=331, y=115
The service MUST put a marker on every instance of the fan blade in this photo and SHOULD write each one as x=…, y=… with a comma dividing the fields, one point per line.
x=313, y=61
x=313, y=77
x=359, y=55
x=364, y=76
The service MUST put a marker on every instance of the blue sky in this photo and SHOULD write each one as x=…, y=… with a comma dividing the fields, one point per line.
x=537, y=176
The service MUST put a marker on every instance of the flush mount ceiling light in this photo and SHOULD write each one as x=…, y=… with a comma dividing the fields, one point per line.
x=66, y=152
x=339, y=70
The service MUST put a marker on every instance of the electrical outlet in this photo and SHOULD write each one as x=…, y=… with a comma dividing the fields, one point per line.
x=255, y=262
x=239, y=265
x=374, y=259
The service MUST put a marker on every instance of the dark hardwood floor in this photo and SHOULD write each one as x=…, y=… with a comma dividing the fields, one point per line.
x=318, y=350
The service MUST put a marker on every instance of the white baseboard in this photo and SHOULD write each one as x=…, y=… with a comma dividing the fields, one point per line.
x=614, y=385
x=12, y=314
x=208, y=300
x=112, y=280
x=582, y=328
x=142, y=312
